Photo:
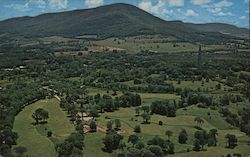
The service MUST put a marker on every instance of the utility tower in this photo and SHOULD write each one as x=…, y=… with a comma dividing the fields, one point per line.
x=199, y=58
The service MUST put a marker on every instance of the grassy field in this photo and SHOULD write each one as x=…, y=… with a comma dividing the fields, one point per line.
x=155, y=43
x=175, y=124
x=34, y=137
x=147, y=98
x=61, y=128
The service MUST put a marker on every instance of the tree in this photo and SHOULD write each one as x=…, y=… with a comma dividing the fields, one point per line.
x=122, y=145
x=171, y=148
x=112, y=141
x=231, y=140
x=108, y=142
x=201, y=135
x=137, y=129
x=183, y=136
x=20, y=150
x=49, y=133
x=157, y=150
x=40, y=114
x=109, y=125
x=82, y=110
x=199, y=121
x=71, y=146
x=196, y=145
x=169, y=133
x=92, y=126
x=145, y=109
x=212, y=141
x=93, y=112
x=140, y=145
x=225, y=100
x=117, y=124
x=133, y=139
x=137, y=111
x=146, y=118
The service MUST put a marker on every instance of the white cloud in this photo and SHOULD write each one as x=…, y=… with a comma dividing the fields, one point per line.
x=145, y=5
x=175, y=3
x=190, y=12
x=243, y=17
x=218, y=9
x=224, y=14
x=93, y=3
x=155, y=9
x=214, y=10
x=26, y=7
x=58, y=4
x=19, y=7
x=38, y=3
x=223, y=4
x=200, y=2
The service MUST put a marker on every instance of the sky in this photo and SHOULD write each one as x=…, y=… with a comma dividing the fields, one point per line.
x=196, y=11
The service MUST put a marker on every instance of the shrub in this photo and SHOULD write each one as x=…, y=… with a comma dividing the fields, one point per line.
x=137, y=129
x=49, y=133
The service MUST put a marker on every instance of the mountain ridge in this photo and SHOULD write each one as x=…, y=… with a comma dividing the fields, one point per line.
x=112, y=20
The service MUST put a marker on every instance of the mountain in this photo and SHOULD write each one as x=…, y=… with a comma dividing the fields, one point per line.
x=222, y=28
x=115, y=20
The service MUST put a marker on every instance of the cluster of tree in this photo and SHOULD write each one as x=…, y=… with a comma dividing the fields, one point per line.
x=230, y=117
x=72, y=146
x=145, y=113
x=129, y=99
x=245, y=120
x=40, y=114
x=163, y=108
x=227, y=98
x=111, y=141
x=203, y=138
x=13, y=99
x=108, y=104
x=195, y=99
x=156, y=147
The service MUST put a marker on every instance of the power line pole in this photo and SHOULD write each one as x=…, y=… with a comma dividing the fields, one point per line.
x=199, y=58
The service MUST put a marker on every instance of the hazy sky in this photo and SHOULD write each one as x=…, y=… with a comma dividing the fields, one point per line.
x=197, y=11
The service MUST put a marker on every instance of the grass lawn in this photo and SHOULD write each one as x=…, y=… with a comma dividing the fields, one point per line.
x=134, y=45
x=93, y=144
x=175, y=124
x=214, y=118
x=34, y=137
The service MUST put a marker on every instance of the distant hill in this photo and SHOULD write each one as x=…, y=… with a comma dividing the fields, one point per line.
x=222, y=28
x=115, y=20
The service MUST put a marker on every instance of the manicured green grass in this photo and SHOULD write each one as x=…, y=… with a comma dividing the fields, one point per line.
x=214, y=118
x=93, y=145
x=34, y=138
x=148, y=98
x=185, y=120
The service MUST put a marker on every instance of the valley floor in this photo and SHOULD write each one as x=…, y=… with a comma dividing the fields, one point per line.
x=39, y=145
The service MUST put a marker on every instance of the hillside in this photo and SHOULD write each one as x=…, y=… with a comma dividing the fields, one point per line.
x=114, y=20
x=222, y=28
